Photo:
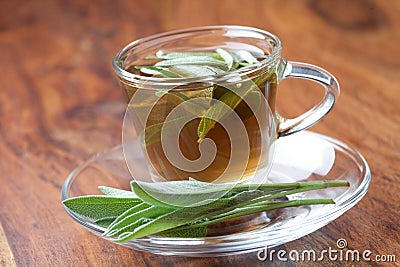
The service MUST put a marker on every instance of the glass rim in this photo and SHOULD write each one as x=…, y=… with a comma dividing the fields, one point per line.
x=150, y=80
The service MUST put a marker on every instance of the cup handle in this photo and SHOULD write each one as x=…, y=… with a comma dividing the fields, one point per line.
x=316, y=113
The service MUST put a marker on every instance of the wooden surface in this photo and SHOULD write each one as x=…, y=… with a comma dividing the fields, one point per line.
x=60, y=103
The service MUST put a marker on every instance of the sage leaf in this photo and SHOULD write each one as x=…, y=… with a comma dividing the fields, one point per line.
x=183, y=216
x=130, y=220
x=152, y=133
x=226, y=56
x=192, y=60
x=105, y=221
x=193, y=70
x=180, y=193
x=214, y=69
x=228, y=102
x=127, y=213
x=268, y=206
x=152, y=70
x=216, y=112
x=192, y=232
x=111, y=191
x=161, y=92
x=128, y=217
x=173, y=55
x=96, y=207
x=246, y=56
x=130, y=225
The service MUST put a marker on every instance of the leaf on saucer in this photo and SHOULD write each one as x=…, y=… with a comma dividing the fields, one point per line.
x=187, y=215
x=128, y=218
x=179, y=193
x=111, y=191
x=192, y=232
x=132, y=219
x=105, y=221
x=96, y=207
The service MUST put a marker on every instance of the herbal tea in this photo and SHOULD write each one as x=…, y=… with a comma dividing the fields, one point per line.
x=202, y=103
x=195, y=113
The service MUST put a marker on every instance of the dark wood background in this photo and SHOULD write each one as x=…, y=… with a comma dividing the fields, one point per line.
x=60, y=103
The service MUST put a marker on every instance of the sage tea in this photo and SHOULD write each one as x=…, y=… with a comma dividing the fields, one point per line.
x=206, y=128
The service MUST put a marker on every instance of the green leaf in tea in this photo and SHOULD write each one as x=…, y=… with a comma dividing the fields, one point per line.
x=197, y=64
x=245, y=56
x=152, y=133
x=195, y=70
x=173, y=55
x=228, y=102
x=153, y=70
x=228, y=58
x=193, y=60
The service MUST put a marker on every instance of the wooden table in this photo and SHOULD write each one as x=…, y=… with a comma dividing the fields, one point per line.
x=60, y=103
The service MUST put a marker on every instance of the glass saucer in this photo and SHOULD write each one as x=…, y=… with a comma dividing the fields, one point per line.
x=303, y=156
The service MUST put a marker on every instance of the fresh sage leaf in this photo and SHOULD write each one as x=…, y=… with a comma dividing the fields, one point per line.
x=254, y=209
x=183, y=216
x=105, y=221
x=131, y=220
x=111, y=191
x=96, y=207
x=179, y=193
x=192, y=232
x=132, y=217
x=128, y=212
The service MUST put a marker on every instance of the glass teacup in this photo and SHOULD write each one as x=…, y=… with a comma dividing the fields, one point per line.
x=219, y=125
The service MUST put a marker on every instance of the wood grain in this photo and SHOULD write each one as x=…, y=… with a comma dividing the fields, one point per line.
x=6, y=255
x=60, y=103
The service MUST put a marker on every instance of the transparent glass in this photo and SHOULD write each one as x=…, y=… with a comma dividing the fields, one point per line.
x=325, y=159
x=241, y=144
x=181, y=128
